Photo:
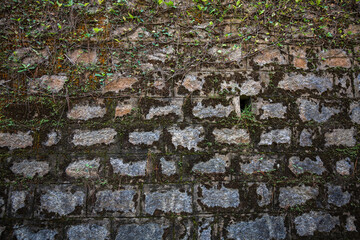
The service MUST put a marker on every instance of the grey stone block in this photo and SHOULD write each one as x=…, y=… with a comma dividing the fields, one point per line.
x=292, y=196
x=308, y=223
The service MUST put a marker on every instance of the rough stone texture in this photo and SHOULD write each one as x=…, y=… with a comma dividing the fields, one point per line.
x=204, y=231
x=53, y=138
x=334, y=58
x=116, y=201
x=219, y=110
x=216, y=164
x=338, y=137
x=30, y=168
x=258, y=164
x=273, y=110
x=17, y=200
x=86, y=112
x=174, y=108
x=132, y=169
x=118, y=83
x=232, y=136
x=25, y=233
x=189, y=137
x=84, y=168
x=223, y=197
x=250, y=88
x=168, y=201
x=167, y=167
x=294, y=82
x=88, y=138
x=355, y=112
x=337, y=197
x=306, y=138
x=292, y=196
x=308, y=223
x=60, y=202
x=83, y=56
x=266, y=227
x=265, y=195
x=299, y=60
x=270, y=56
x=191, y=83
x=88, y=231
x=344, y=167
x=141, y=231
x=16, y=140
x=309, y=110
x=122, y=110
x=52, y=83
x=276, y=136
x=146, y=138
x=299, y=167
x=350, y=224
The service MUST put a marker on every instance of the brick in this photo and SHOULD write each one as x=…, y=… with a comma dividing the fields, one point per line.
x=273, y=110
x=276, y=136
x=334, y=58
x=299, y=195
x=147, y=138
x=88, y=138
x=52, y=83
x=219, y=110
x=116, y=201
x=117, y=83
x=308, y=223
x=53, y=138
x=294, y=82
x=258, y=163
x=188, y=138
x=309, y=110
x=191, y=83
x=232, y=136
x=86, y=112
x=30, y=168
x=338, y=137
x=336, y=196
x=219, y=197
x=217, y=164
x=98, y=231
x=84, y=169
x=27, y=233
x=307, y=165
x=133, y=169
x=16, y=140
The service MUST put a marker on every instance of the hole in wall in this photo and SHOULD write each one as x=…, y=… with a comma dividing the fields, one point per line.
x=245, y=103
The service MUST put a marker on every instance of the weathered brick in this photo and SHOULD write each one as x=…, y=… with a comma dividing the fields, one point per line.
x=294, y=82
x=98, y=231
x=88, y=138
x=258, y=163
x=86, y=112
x=116, y=201
x=265, y=194
x=16, y=140
x=219, y=197
x=191, y=83
x=188, y=138
x=308, y=223
x=27, y=233
x=334, y=58
x=355, y=112
x=266, y=227
x=250, y=88
x=167, y=167
x=219, y=110
x=307, y=165
x=232, y=136
x=147, y=138
x=217, y=164
x=52, y=83
x=117, y=83
x=132, y=169
x=173, y=108
x=273, y=110
x=350, y=224
x=338, y=137
x=270, y=56
x=83, y=56
x=309, y=110
x=18, y=200
x=141, y=231
x=84, y=168
x=337, y=197
x=53, y=138
x=276, y=136
x=30, y=168
x=292, y=196
x=344, y=167
x=306, y=138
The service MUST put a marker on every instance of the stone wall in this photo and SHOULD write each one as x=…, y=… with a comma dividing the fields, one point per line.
x=175, y=129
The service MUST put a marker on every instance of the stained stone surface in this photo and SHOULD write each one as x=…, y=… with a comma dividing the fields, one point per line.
x=276, y=136
x=344, y=167
x=83, y=56
x=338, y=137
x=25, y=233
x=62, y=202
x=273, y=110
x=306, y=138
x=117, y=83
x=250, y=88
x=167, y=167
x=30, y=168
x=18, y=199
x=337, y=197
x=309, y=110
x=88, y=231
x=223, y=197
x=266, y=227
x=168, y=201
x=16, y=140
x=53, y=138
x=291, y=196
x=121, y=201
x=231, y=136
x=355, y=112
x=52, y=83
x=216, y=164
x=219, y=110
x=307, y=165
x=265, y=195
x=294, y=82
x=204, y=231
x=132, y=169
x=350, y=224
x=88, y=138
x=84, y=168
x=308, y=223
x=270, y=56
x=188, y=137
x=174, y=107
x=141, y=231
x=258, y=163
x=86, y=112
x=146, y=138
x=334, y=58
x=191, y=83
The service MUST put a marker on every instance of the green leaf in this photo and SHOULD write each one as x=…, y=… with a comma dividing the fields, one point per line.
x=59, y=26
